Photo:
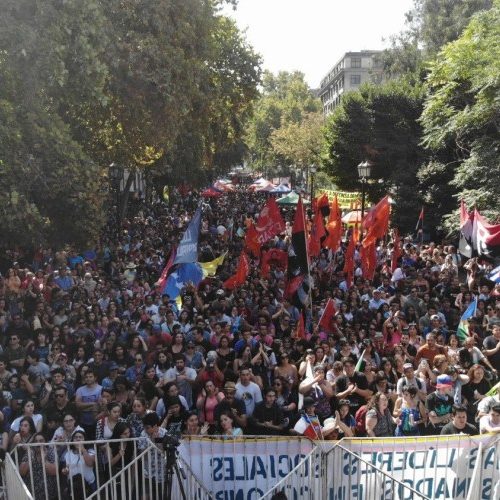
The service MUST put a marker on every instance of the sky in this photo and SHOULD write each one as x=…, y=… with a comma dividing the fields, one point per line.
x=312, y=35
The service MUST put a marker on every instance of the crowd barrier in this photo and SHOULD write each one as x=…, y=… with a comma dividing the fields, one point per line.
x=251, y=468
x=138, y=475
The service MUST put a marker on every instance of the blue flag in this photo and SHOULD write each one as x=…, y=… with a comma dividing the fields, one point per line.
x=187, y=250
x=179, y=278
x=463, y=326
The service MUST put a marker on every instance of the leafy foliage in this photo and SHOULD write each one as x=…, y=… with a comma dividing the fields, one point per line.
x=285, y=102
x=462, y=109
x=379, y=123
x=85, y=84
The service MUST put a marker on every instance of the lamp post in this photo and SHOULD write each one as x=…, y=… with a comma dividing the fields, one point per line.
x=115, y=173
x=364, y=172
x=312, y=170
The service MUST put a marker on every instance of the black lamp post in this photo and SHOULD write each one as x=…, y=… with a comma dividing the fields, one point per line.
x=115, y=174
x=312, y=170
x=364, y=172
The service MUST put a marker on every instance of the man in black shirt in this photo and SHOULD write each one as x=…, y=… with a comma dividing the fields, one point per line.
x=353, y=386
x=268, y=418
x=459, y=424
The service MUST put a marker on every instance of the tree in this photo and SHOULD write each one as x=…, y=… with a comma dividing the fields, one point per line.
x=285, y=100
x=379, y=123
x=430, y=25
x=462, y=109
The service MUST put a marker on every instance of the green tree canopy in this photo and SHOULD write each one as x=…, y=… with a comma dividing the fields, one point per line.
x=378, y=123
x=285, y=100
x=462, y=110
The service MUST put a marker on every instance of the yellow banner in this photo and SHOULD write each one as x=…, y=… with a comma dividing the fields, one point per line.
x=345, y=198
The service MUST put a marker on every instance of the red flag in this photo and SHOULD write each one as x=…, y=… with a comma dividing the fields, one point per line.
x=420, y=222
x=301, y=329
x=276, y=256
x=323, y=205
x=368, y=261
x=270, y=222
x=252, y=240
x=349, y=262
x=334, y=227
x=376, y=221
x=241, y=274
x=317, y=232
x=325, y=322
x=396, y=252
x=164, y=274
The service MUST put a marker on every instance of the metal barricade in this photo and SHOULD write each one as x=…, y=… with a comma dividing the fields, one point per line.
x=13, y=484
x=61, y=470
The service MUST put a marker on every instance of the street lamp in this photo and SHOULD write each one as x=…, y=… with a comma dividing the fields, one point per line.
x=312, y=170
x=364, y=172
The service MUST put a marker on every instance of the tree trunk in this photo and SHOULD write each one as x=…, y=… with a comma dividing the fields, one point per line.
x=122, y=208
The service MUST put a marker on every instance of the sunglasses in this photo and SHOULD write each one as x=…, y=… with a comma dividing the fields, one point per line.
x=59, y=395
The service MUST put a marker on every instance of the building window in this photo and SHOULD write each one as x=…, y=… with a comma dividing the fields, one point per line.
x=355, y=79
x=355, y=62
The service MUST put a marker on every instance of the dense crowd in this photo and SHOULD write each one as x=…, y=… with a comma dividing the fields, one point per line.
x=93, y=349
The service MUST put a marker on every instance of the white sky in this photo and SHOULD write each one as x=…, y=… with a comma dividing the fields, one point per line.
x=311, y=35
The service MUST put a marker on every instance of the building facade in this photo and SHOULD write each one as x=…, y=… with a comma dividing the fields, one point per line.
x=353, y=69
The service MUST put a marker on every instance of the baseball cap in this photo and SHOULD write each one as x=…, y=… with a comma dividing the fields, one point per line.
x=308, y=401
x=156, y=328
x=113, y=366
x=434, y=316
x=407, y=366
x=443, y=381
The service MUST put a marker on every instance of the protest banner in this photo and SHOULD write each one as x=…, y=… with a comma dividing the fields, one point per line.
x=436, y=467
x=346, y=200
x=245, y=468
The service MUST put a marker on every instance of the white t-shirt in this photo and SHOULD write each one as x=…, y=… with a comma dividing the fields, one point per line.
x=76, y=465
x=486, y=421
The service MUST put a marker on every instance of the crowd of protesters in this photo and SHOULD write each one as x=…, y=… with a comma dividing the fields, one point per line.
x=92, y=348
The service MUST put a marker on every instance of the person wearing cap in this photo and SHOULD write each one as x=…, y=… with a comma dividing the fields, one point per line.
x=459, y=424
x=309, y=425
x=439, y=404
x=107, y=382
x=158, y=338
x=410, y=380
x=376, y=300
x=232, y=404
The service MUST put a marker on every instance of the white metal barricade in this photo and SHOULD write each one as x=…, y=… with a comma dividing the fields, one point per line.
x=13, y=484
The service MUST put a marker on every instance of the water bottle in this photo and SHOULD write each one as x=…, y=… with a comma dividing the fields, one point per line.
x=412, y=419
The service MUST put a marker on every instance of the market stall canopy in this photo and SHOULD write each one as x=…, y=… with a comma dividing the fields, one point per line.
x=224, y=185
x=291, y=199
x=261, y=185
x=282, y=188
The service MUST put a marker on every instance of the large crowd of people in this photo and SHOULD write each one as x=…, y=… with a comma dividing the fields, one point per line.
x=93, y=349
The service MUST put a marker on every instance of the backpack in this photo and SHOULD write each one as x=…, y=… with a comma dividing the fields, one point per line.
x=360, y=419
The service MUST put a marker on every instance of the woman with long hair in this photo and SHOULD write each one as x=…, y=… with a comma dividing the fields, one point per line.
x=120, y=453
x=162, y=364
x=193, y=427
x=28, y=410
x=41, y=462
x=226, y=424
x=207, y=401
x=379, y=421
x=134, y=419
